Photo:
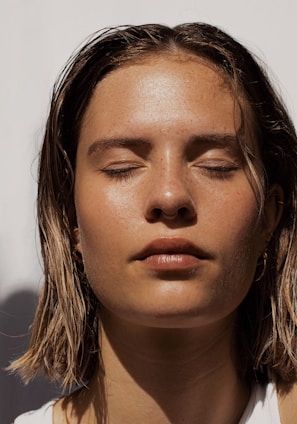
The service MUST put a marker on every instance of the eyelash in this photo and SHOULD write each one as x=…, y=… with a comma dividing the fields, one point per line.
x=220, y=172
x=120, y=173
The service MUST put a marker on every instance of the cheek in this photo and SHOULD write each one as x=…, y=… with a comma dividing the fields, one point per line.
x=234, y=211
x=104, y=219
x=239, y=235
x=232, y=221
x=245, y=222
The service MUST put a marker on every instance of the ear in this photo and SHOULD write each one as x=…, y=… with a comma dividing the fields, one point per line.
x=273, y=210
x=76, y=238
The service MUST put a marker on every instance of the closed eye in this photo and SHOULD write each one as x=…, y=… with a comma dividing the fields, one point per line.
x=120, y=173
x=218, y=171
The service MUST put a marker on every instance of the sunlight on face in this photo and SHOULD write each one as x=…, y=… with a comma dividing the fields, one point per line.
x=167, y=217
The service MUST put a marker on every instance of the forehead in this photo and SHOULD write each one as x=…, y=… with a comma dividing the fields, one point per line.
x=163, y=88
x=163, y=69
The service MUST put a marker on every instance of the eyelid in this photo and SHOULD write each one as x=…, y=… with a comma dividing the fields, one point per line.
x=213, y=162
x=122, y=164
x=220, y=168
x=120, y=174
x=121, y=170
x=118, y=170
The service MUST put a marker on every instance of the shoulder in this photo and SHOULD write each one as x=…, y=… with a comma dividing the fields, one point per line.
x=287, y=401
x=43, y=415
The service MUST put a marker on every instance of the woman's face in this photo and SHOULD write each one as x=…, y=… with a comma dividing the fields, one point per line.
x=167, y=217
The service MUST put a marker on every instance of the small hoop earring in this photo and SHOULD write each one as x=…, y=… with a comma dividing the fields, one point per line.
x=264, y=258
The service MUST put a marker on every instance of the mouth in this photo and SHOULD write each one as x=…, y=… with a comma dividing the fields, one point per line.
x=171, y=254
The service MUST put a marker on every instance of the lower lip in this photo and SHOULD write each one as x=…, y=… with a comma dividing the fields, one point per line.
x=170, y=262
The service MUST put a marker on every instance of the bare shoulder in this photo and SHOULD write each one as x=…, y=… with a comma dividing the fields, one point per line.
x=59, y=412
x=287, y=402
x=73, y=408
x=63, y=411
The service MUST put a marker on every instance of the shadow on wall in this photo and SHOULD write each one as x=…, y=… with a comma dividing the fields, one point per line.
x=16, y=316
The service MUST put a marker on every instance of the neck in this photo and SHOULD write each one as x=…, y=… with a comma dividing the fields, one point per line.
x=169, y=375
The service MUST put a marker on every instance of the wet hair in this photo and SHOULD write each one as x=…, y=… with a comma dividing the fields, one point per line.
x=64, y=338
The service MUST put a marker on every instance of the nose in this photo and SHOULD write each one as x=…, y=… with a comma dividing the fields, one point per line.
x=170, y=197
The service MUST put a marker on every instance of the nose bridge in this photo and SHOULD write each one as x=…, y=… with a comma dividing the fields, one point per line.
x=171, y=177
x=170, y=192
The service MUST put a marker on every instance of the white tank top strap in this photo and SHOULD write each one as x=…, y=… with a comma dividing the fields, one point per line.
x=44, y=415
x=262, y=407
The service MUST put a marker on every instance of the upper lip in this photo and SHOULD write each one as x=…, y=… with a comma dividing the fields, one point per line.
x=171, y=245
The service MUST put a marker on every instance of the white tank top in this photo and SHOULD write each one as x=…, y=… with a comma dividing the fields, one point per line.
x=261, y=409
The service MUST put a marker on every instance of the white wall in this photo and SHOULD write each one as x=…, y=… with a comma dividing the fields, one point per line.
x=36, y=39
x=37, y=36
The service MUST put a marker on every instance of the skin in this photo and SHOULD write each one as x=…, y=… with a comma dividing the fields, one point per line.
x=158, y=160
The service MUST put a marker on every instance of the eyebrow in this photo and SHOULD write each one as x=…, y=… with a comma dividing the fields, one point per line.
x=111, y=143
x=217, y=139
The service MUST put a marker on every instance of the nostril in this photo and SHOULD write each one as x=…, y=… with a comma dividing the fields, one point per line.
x=160, y=214
x=171, y=215
x=183, y=212
x=155, y=214
x=178, y=207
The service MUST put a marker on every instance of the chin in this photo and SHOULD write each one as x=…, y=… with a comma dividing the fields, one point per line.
x=174, y=317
